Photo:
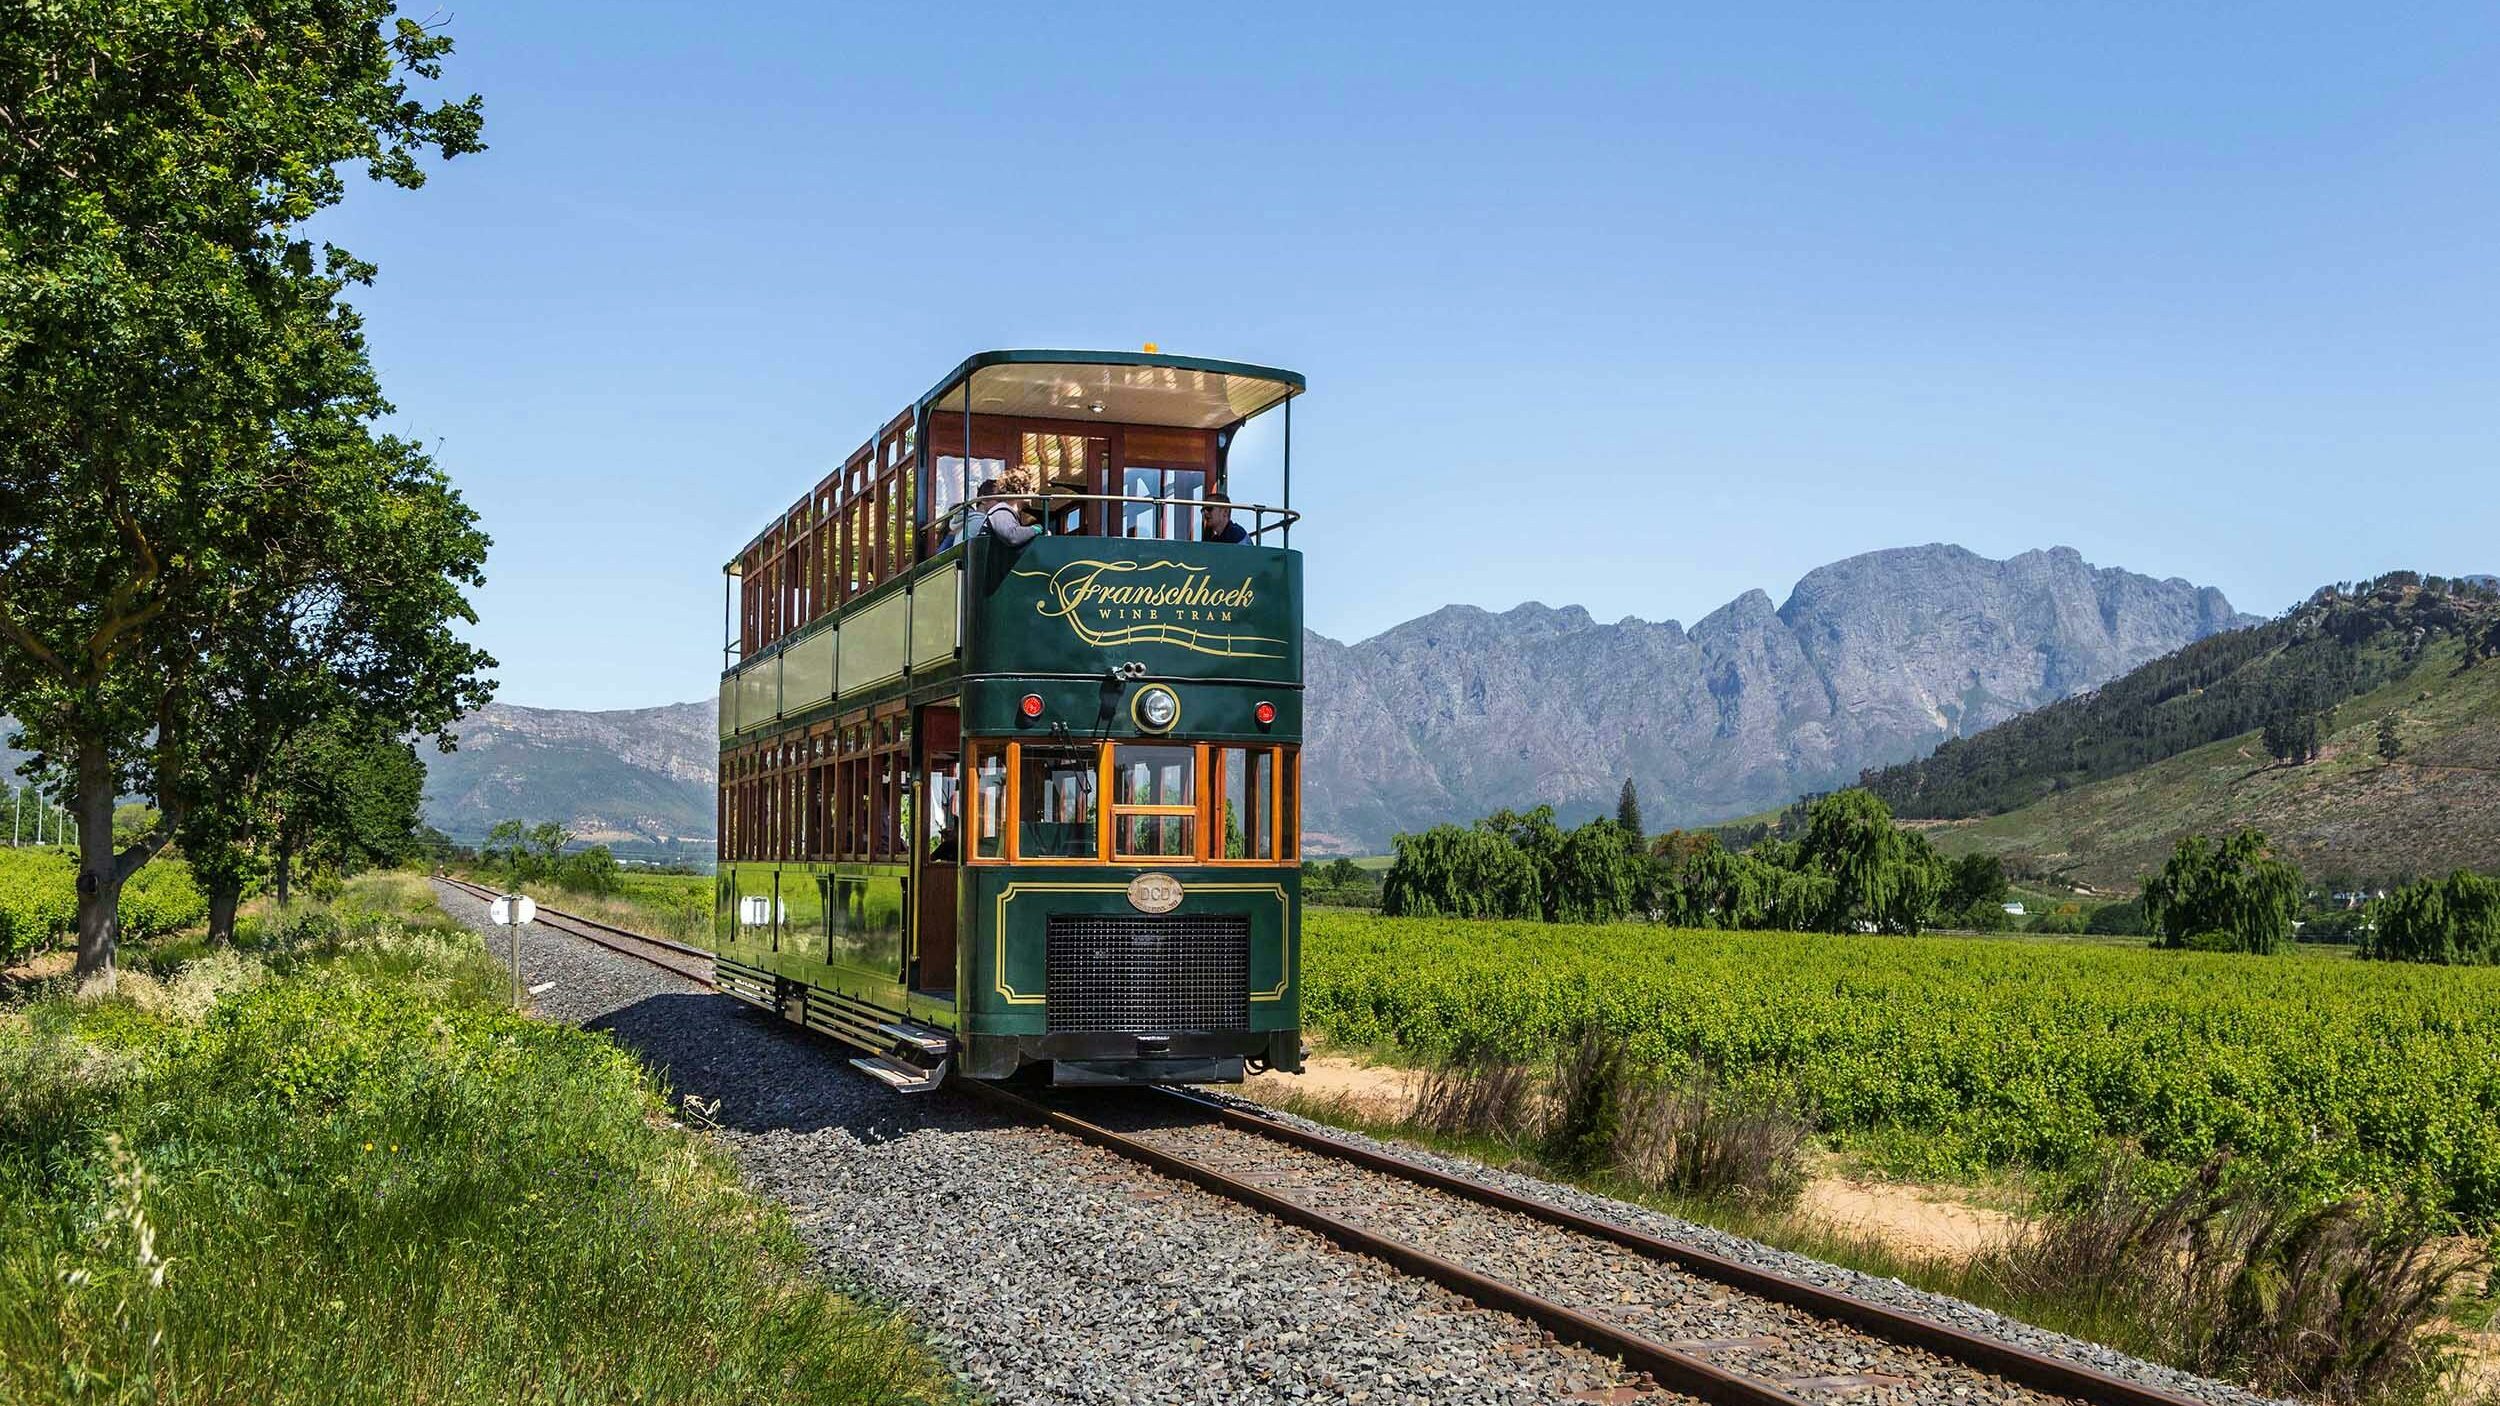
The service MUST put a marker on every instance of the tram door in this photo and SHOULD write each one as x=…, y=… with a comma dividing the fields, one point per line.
x=939, y=842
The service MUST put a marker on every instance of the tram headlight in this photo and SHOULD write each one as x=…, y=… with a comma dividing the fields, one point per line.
x=1031, y=705
x=1156, y=708
x=1265, y=713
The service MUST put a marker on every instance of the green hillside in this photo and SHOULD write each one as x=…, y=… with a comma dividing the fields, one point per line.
x=2281, y=678
x=2350, y=814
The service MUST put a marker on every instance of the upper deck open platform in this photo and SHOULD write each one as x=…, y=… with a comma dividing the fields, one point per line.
x=1129, y=388
x=1134, y=445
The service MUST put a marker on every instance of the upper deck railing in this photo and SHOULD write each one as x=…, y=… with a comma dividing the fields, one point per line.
x=1050, y=509
x=1085, y=443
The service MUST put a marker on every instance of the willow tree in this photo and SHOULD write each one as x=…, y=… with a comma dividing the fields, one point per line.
x=186, y=401
x=2236, y=896
x=1884, y=878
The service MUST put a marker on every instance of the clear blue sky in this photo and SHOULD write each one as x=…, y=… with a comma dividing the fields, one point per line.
x=1635, y=310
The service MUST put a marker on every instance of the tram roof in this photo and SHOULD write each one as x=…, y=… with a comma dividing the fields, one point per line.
x=1129, y=388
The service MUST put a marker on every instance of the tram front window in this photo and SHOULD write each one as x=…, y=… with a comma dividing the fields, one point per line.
x=1056, y=797
x=1154, y=801
x=1245, y=786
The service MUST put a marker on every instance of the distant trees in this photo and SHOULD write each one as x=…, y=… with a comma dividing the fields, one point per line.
x=2453, y=920
x=1341, y=881
x=2235, y=896
x=1514, y=865
x=2296, y=733
x=2391, y=742
x=1628, y=810
x=536, y=854
x=1851, y=869
x=1974, y=896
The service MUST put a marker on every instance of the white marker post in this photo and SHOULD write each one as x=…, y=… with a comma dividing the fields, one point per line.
x=516, y=911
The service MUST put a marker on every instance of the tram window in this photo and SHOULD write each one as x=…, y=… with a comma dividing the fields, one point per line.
x=1176, y=522
x=1154, y=800
x=990, y=804
x=946, y=811
x=1246, y=789
x=1055, y=798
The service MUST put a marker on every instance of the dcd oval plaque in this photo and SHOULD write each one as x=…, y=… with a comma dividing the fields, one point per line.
x=1154, y=893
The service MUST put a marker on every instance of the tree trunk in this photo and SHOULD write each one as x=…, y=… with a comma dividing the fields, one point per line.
x=99, y=869
x=223, y=899
x=286, y=864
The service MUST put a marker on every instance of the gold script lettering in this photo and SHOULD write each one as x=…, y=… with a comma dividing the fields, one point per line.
x=1144, y=591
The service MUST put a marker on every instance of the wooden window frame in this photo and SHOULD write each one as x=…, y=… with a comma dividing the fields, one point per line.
x=1272, y=810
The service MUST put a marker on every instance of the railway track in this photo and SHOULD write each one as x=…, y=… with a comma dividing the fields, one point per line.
x=691, y=962
x=1696, y=1323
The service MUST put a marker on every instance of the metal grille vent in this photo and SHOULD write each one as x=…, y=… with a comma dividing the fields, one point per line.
x=1149, y=975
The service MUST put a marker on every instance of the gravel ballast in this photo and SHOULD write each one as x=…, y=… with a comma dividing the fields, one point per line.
x=1048, y=1271
x=1043, y=1269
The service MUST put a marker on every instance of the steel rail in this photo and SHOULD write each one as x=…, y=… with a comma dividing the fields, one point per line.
x=1672, y=1368
x=1677, y=1371
x=2055, y=1375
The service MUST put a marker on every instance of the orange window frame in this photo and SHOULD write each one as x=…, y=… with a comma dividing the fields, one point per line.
x=1284, y=781
x=1194, y=812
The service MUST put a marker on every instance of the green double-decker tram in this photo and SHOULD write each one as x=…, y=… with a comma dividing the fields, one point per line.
x=1010, y=725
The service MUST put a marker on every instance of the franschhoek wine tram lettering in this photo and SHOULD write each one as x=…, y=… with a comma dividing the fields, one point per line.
x=987, y=807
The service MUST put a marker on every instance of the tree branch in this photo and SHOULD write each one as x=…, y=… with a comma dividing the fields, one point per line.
x=25, y=640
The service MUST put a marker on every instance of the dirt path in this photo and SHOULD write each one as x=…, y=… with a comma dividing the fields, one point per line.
x=1918, y=1221
x=1372, y=1090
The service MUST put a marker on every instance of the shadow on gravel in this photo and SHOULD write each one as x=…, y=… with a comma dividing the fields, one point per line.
x=755, y=1074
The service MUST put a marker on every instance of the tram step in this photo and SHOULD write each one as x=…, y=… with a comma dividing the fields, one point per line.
x=924, y=1038
x=900, y=1077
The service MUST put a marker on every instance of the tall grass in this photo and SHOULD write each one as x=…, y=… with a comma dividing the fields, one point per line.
x=334, y=1170
x=2342, y=1302
x=2335, y=1302
x=1593, y=1115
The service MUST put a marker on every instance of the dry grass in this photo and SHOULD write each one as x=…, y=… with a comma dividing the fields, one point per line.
x=2331, y=1302
x=1593, y=1115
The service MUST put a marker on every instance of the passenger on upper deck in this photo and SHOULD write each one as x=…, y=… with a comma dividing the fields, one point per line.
x=1000, y=517
x=1216, y=520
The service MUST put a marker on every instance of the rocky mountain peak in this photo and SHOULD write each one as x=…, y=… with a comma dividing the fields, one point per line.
x=1874, y=658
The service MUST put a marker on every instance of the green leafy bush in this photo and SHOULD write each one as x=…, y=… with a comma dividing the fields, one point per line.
x=39, y=900
x=160, y=899
x=2119, y=920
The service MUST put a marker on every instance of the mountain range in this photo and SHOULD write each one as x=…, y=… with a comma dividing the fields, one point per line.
x=1869, y=661
x=638, y=779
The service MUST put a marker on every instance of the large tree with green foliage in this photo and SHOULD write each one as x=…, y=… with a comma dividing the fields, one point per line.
x=186, y=403
x=2232, y=897
x=343, y=797
x=2450, y=920
x=356, y=653
x=1884, y=877
x=1454, y=872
